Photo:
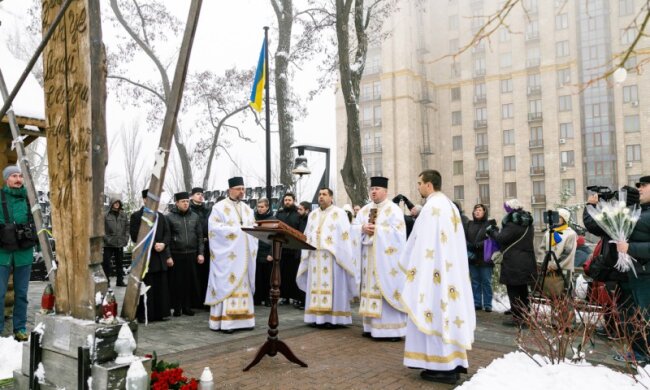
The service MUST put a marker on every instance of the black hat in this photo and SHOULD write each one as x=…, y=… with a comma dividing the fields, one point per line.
x=181, y=195
x=379, y=181
x=235, y=181
x=145, y=193
x=196, y=190
x=643, y=180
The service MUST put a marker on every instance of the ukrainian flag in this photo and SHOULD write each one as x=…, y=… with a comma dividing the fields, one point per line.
x=260, y=81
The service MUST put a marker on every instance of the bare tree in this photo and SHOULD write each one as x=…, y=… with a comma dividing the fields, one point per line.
x=131, y=147
x=148, y=23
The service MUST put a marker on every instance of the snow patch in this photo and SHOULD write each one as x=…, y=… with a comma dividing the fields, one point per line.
x=11, y=356
x=40, y=373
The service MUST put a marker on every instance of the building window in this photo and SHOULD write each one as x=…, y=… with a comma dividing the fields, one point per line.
x=509, y=163
x=378, y=165
x=376, y=90
x=484, y=193
x=456, y=118
x=630, y=63
x=510, y=190
x=569, y=186
x=505, y=60
x=458, y=167
x=535, y=106
x=562, y=21
x=562, y=49
x=567, y=158
x=507, y=111
x=563, y=77
x=506, y=86
x=479, y=91
x=633, y=179
x=453, y=46
x=366, y=92
x=455, y=93
x=377, y=111
x=565, y=103
x=628, y=35
x=566, y=130
x=625, y=7
x=482, y=165
x=533, y=57
x=504, y=35
x=630, y=94
x=537, y=160
x=457, y=142
x=633, y=153
x=509, y=137
x=532, y=29
x=367, y=116
x=479, y=66
x=539, y=188
x=631, y=123
x=455, y=70
x=373, y=64
x=534, y=80
x=453, y=22
x=481, y=139
x=481, y=113
x=536, y=135
x=459, y=192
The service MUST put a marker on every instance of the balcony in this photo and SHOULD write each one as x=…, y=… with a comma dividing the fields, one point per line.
x=532, y=36
x=535, y=116
x=484, y=200
x=480, y=72
x=480, y=123
x=536, y=171
x=535, y=143
x=480, y=99
x=534, y=90
x=480, y=149
x=482, y=174
x=538, y=199
x=371, y=149
x=426, y=150
x=533, y=62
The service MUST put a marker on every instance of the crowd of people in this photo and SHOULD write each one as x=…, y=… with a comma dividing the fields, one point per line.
x=415, y=274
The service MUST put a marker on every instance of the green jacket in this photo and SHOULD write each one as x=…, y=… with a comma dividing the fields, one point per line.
x=18, y=209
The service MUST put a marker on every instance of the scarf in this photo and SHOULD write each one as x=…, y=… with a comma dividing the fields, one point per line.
x=557, y=236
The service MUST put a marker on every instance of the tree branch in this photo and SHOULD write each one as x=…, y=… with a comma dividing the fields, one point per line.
x=140, y=85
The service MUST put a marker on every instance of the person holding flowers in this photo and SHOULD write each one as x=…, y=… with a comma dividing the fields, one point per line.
x=635, y=292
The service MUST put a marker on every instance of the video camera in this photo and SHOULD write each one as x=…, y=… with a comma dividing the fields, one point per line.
x=401, y=198
x=605, y=193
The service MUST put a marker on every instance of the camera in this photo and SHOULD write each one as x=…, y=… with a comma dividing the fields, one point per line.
x=605, y=193
x=551, y=217
x=24, y=233
x=401, y=198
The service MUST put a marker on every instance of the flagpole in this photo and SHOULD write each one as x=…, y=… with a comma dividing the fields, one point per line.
x=268, y=115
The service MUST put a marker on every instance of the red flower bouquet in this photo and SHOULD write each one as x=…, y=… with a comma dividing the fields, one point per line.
x=168, y=376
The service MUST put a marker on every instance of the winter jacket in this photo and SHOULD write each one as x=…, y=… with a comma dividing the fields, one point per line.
x=204, y=213
x=640, y=244
x=157, y=260
x=518, y=266
x=475, y=239
x=289, y=216
x=303, y=223
x=263, y=249
x=18, y=209
x=187, y=232
x=116, y=227
x=565, y=250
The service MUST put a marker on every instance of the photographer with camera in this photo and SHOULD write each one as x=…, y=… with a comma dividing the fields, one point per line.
x=563, y=243
x=518, y=268
x=17, y=240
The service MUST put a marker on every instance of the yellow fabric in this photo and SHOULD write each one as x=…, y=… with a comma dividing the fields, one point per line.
x=558, y=229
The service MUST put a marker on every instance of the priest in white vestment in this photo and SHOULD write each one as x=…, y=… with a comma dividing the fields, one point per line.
x=231, y=284
x=437, y=294
x=327, y=274
x=382, y=241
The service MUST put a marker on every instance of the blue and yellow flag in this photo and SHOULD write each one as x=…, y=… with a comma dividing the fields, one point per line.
x=260, y=81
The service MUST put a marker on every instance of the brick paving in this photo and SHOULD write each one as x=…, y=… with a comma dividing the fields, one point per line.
x=338, y=358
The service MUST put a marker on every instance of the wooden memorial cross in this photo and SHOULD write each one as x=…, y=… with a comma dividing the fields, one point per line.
x=277, y=234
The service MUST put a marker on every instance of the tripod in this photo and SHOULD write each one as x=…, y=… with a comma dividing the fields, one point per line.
x=551, y=217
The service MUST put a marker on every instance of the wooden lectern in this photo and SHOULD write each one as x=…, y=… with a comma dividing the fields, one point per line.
x=277, y=234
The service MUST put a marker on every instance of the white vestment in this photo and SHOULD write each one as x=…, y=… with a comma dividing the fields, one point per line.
x=327, y=274
x=437, y=294
x=232, y=266
x=381, y=278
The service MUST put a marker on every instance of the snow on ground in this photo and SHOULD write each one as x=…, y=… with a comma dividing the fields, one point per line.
x=11, y=356
x=518, y=371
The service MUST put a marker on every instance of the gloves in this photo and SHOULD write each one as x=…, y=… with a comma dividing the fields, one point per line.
x=491, y=230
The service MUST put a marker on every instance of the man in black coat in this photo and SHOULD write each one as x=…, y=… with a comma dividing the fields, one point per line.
x=116, y=237
x=156, y=278
x=197, y=205
x=186, y=248
x=290, y=258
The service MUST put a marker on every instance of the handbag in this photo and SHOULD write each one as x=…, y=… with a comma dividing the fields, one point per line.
x=497, y=257
x=490, y=247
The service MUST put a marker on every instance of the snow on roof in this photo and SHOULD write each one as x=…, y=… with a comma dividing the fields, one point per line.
x=30, y=101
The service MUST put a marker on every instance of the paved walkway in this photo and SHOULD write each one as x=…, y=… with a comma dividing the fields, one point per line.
x=338, y=358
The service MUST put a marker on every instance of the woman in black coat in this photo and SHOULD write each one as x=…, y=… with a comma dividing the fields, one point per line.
x=158, y=305
x=480, y=271
x=264, y=259
x=518, y=268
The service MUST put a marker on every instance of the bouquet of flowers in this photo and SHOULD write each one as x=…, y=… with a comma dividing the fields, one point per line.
x=165, y=376
x=617, y=221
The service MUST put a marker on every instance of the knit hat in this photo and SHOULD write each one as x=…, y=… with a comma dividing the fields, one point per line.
x=9, y=170
x=565, y=214
x=512, y=205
